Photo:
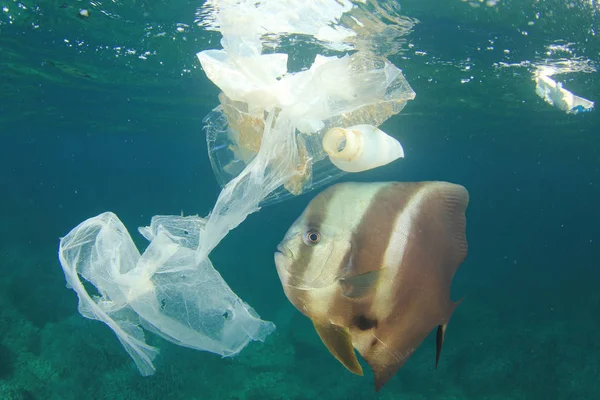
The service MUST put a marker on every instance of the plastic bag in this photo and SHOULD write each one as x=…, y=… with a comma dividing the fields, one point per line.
x=361, y=89
x=163, y=290
x=265, y=143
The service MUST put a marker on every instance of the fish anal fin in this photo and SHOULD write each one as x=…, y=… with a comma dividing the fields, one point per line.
x=360, y=285
x=338, y=341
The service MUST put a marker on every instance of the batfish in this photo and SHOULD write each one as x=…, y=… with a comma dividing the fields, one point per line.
x=371, y=265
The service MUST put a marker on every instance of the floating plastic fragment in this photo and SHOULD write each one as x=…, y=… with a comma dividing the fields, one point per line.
x=553, y=93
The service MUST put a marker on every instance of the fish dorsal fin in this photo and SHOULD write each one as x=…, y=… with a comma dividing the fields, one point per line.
x=338, y=341
x=455, y=201
x=360, y=285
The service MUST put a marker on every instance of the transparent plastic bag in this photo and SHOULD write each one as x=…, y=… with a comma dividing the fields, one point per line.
x=335, y=93
x=164, y=290
x=266, y=143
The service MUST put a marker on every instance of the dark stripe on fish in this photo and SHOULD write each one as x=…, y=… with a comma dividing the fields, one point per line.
x=372, y=236
x=370, y=241
x=315, y=214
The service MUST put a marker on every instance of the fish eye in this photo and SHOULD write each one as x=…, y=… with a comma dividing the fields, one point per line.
x=312, y=237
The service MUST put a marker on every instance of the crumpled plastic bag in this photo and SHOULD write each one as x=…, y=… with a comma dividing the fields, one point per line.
x=164, y=290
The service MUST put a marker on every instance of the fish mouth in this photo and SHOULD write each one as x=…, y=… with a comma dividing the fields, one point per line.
x=284, y=251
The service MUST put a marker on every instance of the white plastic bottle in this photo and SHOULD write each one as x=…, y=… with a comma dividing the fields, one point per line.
x=360, y=148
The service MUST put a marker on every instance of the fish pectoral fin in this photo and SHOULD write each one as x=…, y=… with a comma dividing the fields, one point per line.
x=338, y=341
x=439, y=341
x=360, y=285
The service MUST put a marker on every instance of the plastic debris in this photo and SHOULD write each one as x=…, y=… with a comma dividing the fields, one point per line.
x=361, y=89
x=556, y=95
x=265, y=143
x=162, y=290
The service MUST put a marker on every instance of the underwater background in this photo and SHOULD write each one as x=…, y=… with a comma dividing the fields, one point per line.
x=104, y=113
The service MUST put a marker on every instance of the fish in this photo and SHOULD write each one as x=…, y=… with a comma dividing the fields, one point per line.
x=371, y=265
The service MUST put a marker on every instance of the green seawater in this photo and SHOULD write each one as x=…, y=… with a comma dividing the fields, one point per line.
x=105, y=113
